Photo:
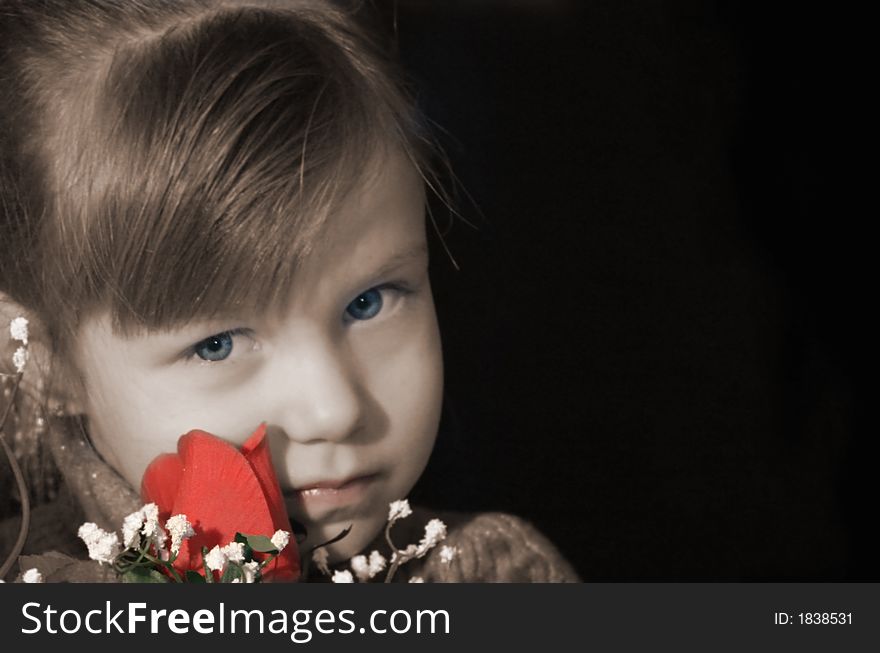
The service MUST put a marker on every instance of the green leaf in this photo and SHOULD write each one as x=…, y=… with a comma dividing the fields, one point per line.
x=232, y=571
x=194, y=577
x=261, y=543
x=248, y=551
x=144, y=575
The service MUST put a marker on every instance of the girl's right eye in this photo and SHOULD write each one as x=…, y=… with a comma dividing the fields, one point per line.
x=215, y=348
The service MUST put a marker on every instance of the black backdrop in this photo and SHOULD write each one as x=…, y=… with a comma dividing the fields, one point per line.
x=655, y=341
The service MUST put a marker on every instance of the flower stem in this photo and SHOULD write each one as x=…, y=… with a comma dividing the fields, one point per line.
x=396, y=554
x=392, y=570
x=167, y=566
x=265, y=562
x=144, y=555
x=209, y=575
x=388, y=534
x=22, y=487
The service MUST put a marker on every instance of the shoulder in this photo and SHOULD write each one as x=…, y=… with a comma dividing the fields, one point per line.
x=52, y=527
x=52, y=546
x=490, y=547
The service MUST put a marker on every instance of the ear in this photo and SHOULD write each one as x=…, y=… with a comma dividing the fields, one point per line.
x=46, y=375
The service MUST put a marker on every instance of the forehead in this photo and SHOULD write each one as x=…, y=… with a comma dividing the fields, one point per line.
x=379, y=226
x=381, y=215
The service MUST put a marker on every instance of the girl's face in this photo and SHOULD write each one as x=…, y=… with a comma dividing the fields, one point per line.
x=348, y=379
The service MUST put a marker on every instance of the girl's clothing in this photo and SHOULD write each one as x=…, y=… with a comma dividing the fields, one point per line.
x=479, y=547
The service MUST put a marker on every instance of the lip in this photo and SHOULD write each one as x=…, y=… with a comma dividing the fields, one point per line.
x=316, y=500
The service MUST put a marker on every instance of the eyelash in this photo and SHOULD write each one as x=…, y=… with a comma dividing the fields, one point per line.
x=398, y=288
x=190, y=354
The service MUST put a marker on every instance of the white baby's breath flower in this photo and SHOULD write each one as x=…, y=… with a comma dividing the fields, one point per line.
x=416, y=579
x=406, y=554
x=151, y=520
x=342, y=577
x=159, y=537
x=361, y=568
x=18, y=329
x=32, y=576
x=216, y=559
x=20, y=359
x=145, y=521
x=131, y=529
x=319, y=558
x=103, y=546
x=377, y=563
x=280, y=539
x=234, y=552
x=250, y=569
x=399, y=510
x=366, y=568
x=180, y=529
x=435, y=532
x=448, y=553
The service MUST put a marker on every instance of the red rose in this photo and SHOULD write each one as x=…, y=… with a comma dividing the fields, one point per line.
x=222, y=491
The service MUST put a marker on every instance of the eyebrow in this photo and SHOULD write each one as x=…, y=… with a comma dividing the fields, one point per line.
x=400, y=258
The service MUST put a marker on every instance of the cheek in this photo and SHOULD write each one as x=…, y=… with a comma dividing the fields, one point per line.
x=412, y=394
x=130, y=419
x=131, y=422
x=123, y=429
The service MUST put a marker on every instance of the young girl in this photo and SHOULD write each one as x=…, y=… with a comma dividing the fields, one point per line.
x=213, y=217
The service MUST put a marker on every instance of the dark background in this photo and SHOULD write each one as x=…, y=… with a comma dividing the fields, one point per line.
x=658, y=344
x=657, y=340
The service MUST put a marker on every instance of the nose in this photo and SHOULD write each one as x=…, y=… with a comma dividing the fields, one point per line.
x=315, y=389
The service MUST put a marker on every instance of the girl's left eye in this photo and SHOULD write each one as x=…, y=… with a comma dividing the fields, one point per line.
x=370, y=303
x=366, y=306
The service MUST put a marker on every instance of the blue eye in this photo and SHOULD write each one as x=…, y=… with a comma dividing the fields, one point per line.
x=216, y=348
x=366, y=306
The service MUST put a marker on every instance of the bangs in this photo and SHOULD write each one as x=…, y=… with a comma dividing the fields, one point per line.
x=220, y=149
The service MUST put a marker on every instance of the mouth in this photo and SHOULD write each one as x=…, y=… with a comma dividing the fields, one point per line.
x=318, y=500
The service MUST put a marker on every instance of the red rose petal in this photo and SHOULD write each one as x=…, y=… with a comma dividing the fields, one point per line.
x=256, y=452
x=160, y=483
x=222, y=491
x=220, y=494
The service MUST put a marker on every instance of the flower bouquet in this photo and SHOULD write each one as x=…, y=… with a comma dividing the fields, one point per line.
x=209, y=514
x=238, y=532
